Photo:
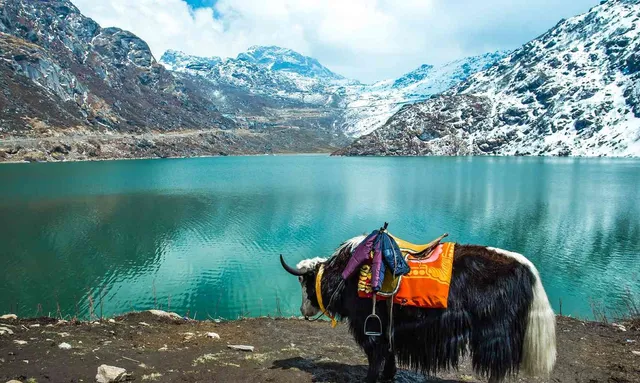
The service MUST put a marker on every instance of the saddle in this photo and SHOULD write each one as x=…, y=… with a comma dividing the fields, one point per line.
x=426, y=285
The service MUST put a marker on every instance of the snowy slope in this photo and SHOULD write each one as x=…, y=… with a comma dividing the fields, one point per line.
x=272, y=72
x=370, y=106
x=573, y=91
x=178, y=61
x=287, y=60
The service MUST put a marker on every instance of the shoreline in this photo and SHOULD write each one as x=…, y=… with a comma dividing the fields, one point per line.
x=293, y=154
x=181, y=145
x=164, y=347
x=318, y=154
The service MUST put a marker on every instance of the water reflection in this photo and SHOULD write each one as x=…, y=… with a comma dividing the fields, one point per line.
x=203, y=235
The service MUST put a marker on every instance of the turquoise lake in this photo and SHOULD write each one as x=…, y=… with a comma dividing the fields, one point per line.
x=202, y=236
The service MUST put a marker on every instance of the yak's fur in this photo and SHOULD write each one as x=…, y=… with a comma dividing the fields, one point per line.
x=490, y=300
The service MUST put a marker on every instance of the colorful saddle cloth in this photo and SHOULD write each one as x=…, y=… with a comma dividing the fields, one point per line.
x=426, y=285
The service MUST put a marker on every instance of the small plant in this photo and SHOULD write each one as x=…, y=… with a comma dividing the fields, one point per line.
x=101, y=303
x=278, y=310
x=599, y=311
x=77, y=310
x=629, y=312
x=632, y=305
x=91, y=312
x=155, y=297
x=632, y=308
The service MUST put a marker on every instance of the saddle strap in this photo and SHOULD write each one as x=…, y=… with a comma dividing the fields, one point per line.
x=432, y=245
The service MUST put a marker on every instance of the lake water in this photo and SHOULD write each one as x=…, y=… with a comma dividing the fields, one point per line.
x=203, y=235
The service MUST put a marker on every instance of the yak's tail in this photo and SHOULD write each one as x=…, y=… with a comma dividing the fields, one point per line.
x=539, y=347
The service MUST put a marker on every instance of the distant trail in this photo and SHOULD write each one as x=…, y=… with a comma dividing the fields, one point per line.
x=12, y=140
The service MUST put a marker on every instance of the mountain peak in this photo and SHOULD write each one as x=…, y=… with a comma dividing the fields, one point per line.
x=287, y=60
x=453, y=72
x=269, y=48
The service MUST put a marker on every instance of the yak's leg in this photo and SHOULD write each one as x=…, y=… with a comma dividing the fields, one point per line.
x=376, y=353
x=390, y=368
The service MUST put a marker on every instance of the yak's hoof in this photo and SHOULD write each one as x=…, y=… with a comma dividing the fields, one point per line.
x=388, y=376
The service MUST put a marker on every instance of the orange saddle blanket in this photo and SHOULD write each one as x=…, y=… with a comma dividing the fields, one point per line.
x=427, y=285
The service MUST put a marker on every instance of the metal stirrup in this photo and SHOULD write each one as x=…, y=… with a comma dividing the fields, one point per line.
x=373, y=320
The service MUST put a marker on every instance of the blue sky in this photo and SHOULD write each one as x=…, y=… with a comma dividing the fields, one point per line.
x=367, y=40
x=200, y=3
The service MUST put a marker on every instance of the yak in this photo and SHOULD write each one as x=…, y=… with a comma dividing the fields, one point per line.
x=498, y=314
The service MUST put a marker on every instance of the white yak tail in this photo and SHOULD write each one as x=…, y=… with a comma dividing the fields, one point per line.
x=539, y=346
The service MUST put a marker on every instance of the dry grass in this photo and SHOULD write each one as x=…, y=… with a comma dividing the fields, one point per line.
x=629, y=313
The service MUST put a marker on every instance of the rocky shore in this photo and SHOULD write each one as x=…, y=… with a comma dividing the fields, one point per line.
x=163, y=347
x=88, y=147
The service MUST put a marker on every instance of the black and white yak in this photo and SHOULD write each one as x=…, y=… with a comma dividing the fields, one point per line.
x=498, y=314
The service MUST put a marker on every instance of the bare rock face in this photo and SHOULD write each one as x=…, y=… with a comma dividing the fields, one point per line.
x=62, y=68
x=573, y=91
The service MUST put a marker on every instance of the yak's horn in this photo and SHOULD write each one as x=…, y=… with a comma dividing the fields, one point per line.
x=290, y=269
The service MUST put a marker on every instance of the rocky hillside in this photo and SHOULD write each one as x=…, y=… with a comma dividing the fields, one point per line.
x=575, y=90
x=61, y=71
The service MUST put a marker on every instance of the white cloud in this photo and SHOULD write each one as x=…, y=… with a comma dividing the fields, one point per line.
x=364, y=39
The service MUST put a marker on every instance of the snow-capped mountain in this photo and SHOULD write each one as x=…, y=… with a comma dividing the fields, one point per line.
x=287, y=60
x=273, y=72
x=370, y=106
x=281, y=75
x=575, y=90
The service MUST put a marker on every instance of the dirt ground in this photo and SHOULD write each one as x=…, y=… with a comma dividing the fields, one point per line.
x=153, y=348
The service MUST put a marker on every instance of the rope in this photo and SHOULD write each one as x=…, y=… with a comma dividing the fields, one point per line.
x=326, y=308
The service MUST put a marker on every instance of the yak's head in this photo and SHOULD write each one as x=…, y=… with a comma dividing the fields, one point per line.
x=307, y=271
